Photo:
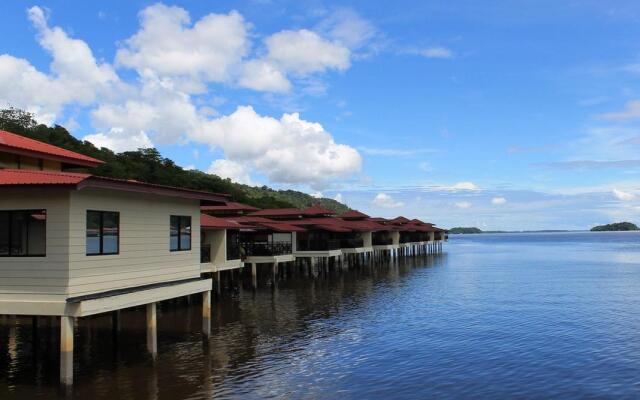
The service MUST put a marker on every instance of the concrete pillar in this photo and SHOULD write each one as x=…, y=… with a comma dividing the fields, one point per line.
x=66, y=350
x=274, y=272
x=217, y=283
x=152, y=331
x=206, y=314
x=254, y=275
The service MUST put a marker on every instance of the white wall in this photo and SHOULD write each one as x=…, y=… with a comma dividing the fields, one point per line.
x=38, y=278
x=144, y=256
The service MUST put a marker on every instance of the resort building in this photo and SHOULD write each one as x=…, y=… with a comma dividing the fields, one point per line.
x=74, y=244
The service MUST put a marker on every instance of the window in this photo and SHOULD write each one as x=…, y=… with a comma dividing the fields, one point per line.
x=103, y=232
x=180, y=233
x=23, y=233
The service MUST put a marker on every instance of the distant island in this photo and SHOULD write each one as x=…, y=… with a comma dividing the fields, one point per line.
x=460, y=229
x=618, y=226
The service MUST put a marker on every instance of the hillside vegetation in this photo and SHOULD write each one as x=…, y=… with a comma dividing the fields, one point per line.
x=148, y=165
x=618, y=226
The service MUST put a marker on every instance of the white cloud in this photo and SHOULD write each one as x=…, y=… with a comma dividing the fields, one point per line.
x=317, y=195
x=338, y=197
x=119, y=140
x=75, y=75
x=288, y=150
x=230, y=169
x=304, y=52
x=498, y=201
x=168, y=45
x=623, y=196
x=631, y=111
x=435, y=52
x=464, y=186
x=264, y=76
x=345, y=26
x=462, y=204
x=176, y=60
x=385, y=201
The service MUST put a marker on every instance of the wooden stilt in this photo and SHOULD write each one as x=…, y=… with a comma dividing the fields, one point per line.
x=152, y=332
x=206, y=314
x=254, y=275
x=66, y=350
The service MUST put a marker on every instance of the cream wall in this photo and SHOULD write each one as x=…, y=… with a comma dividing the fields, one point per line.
x=144, y=256
x=38, y=279
x=218, y=241
x=367, y=238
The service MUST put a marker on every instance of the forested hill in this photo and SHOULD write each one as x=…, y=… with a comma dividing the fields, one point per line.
x=148, y=165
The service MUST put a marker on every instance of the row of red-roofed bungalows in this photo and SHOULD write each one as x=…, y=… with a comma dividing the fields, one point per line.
x=73, y=244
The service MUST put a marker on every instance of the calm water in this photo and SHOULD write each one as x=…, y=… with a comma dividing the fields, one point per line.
x=522, y=315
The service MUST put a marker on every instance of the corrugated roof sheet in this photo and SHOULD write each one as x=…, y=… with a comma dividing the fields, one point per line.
x=29, y=177
x=353, y=214
x=11, y=142
x=207, y=221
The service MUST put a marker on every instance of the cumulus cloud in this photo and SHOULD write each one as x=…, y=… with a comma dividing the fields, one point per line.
x=175, y=62
x=168, y=44
x=338, y=197
x=119, y=140
x=287, y=150
x=304, y=52
x=498, y=201
x=263, y=76
x=386, y=201
x=623, y=196
x=74, y=77
x=462, y=204
x=230, y=169
x=317, y=195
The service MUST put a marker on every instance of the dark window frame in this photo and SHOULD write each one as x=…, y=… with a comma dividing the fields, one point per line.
x=10, y=228
x=179, y=236
x=101, y=233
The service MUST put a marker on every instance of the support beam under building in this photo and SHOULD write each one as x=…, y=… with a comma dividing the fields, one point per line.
x=206, y=314
x=152, y=330
x=66, y=350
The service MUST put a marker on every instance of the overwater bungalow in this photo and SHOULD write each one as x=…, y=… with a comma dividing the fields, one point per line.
x=73, y=244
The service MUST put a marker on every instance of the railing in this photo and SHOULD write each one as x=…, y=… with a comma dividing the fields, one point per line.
x=266, y=249
x=318, y=245
x=351, y=243
x=233, y=252
x=205, y=253
x=382, y=241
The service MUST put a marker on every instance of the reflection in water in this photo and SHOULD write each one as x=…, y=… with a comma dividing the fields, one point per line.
x=499, y=316
x=258, y=337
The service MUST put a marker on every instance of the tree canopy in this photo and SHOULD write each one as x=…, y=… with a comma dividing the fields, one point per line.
x=618, y=226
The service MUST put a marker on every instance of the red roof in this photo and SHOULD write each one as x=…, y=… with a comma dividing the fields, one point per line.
x=78, y=181
x=230, y=206
x=278, y=212
x=16, y=177
x=16, y=144
x=399, y=220
x=207, y=221
x=281, y=227
x=354, y=214
x=318, y=210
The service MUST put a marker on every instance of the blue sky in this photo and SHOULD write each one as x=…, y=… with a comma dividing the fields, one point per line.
x=506, y=115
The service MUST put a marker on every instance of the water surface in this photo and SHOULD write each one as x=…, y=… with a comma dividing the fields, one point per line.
x=497, y=316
